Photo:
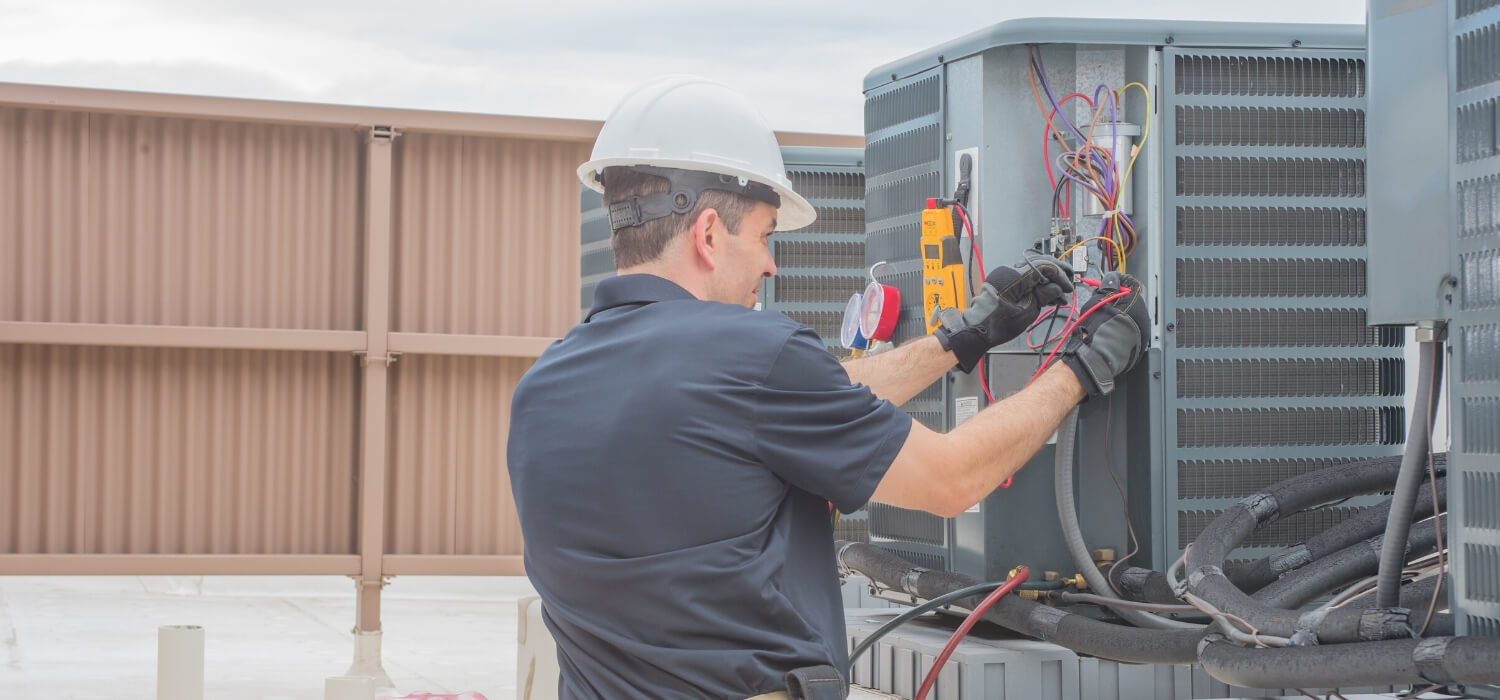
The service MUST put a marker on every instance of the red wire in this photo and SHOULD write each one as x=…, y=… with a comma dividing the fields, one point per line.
x=1022, y=573
x=984, y=382
x=1045, y=363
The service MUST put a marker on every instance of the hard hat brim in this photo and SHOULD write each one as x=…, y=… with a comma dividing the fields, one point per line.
x=795, y=211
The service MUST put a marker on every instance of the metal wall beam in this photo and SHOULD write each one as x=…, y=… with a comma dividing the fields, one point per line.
x=179, y=564
x=104, y=334
x=473, y=345
x=453, y=565
x=377, y=359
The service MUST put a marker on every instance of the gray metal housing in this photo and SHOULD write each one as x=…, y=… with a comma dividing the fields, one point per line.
x=1252, y=251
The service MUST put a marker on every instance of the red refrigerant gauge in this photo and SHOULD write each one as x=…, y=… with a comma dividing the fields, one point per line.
x=882, y=306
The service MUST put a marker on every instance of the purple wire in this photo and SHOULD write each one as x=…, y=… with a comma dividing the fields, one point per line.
x=1036, y=59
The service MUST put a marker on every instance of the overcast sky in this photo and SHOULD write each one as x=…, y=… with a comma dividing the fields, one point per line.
x=801, y=62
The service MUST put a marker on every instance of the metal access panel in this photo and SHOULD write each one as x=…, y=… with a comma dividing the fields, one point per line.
x=1407, y=154
x=1474, y=337
x=1270, y=366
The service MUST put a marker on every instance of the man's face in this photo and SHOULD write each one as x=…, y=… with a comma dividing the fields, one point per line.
x=745, y=257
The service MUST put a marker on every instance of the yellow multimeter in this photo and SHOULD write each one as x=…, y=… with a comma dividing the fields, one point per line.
x=942, y=264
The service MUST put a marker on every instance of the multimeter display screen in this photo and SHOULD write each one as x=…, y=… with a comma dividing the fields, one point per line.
x=931, y=252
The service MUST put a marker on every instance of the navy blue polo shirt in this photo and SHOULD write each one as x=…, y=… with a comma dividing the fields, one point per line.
x=672, y=461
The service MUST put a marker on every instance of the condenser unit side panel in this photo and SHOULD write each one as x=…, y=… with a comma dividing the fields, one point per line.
x=1270, y=367
x=1474, y=336
x=904, y=165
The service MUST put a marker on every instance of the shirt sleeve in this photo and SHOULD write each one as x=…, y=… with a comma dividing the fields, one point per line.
x=819, y=432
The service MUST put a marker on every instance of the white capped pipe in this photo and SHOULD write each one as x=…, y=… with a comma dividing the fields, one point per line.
x=349, y=688
x=179, y=662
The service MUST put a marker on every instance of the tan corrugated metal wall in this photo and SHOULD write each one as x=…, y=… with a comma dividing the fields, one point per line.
x=252, y=337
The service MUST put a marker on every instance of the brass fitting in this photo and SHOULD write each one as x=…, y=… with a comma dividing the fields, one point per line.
x=1050, y=576
x=1029, y=594
x=1077, y=581
x=1104, y=556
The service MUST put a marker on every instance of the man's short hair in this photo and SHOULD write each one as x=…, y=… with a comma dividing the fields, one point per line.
x=638, y=245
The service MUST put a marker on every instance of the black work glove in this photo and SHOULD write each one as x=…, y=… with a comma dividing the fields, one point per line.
x=1004, y=308
x=1111, y=339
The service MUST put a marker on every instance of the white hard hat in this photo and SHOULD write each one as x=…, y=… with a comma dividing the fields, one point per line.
x=688, y=123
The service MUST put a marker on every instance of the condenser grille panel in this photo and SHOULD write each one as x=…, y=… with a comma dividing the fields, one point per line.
x=1199, y=379
x=1294, y=277
x=1270, y=126
x=888, y=521
x=1479, y=206
x=1481, y=423
x=845, y=221
x=1480, y=344
x=597, y=262
x=1270, y=368
x=904, y=150
x=1482, y=500
x=1289, y=328
x=1478, y=57
x=1270, y=177
x=1269, y=76
x=891, y=243
x=1464, y=8
x=1238, y=478
x=912, y=100
x=814, y=184
x=794, y=254
x=1476, y=130
x=898, y=197
x=1290, y=529
x=817, y=290
x=1480, y=279
x=1270, y=226
x=1474, y=337
x=1265, y=427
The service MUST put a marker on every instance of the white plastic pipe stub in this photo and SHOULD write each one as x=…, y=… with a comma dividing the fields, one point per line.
x=349, y=688
x=179, y=662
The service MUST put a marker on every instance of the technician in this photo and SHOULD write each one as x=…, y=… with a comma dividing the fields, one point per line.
x=674, y=456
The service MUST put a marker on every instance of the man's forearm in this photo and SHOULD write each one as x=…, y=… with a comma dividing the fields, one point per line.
x=901, y=373
x=1000, y=439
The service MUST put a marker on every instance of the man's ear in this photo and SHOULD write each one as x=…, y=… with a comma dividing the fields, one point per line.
x=702, y=234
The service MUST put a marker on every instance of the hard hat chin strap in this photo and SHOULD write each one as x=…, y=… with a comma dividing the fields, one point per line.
x=682, y=196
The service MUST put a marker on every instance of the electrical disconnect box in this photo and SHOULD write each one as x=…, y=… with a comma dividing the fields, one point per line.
x=1235, y=194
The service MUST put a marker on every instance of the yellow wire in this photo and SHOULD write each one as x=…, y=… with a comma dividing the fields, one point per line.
x=1145, y=135
x=1113, y=245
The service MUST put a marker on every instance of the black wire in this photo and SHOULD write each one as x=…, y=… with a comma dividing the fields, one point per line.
x=929, y=606
x=973, y=246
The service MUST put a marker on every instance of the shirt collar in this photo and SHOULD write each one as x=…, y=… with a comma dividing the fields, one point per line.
x=635, y=289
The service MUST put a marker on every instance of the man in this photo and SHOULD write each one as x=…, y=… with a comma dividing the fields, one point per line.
x=673, y=457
